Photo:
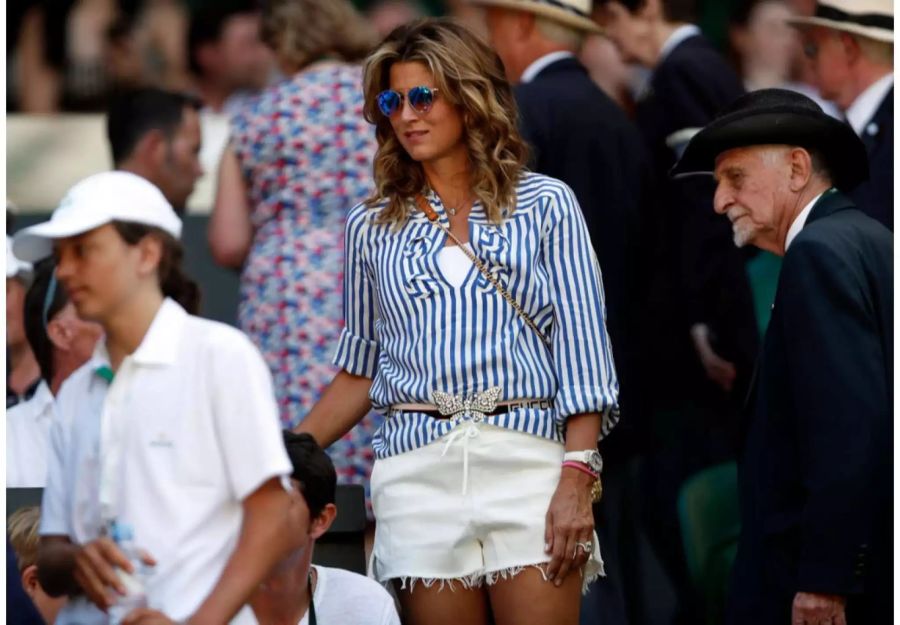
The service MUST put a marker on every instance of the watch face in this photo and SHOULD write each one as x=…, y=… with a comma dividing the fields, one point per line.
x=595, y=461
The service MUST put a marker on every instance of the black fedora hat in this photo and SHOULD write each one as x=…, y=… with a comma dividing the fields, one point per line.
x=778, y=117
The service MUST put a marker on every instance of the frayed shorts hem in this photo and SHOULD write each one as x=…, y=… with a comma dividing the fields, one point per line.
x=488, y=578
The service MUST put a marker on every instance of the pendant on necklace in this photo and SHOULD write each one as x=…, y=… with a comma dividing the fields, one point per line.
x=452, y=211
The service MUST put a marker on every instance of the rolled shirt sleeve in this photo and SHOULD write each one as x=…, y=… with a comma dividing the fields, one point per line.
x=582, y=353
x=358, y=350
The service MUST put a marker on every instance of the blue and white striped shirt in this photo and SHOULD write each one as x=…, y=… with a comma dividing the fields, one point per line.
x=413, y=332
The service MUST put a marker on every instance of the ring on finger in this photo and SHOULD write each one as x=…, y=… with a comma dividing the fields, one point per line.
x=587, y=546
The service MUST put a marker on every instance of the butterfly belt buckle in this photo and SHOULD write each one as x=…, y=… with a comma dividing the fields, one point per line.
x=476, y=407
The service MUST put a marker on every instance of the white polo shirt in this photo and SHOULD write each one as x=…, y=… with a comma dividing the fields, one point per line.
x=186, y=430
x=28, y=440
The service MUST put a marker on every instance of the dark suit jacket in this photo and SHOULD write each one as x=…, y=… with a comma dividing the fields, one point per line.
x=699, y=275
x=876, y=196
x=816, y=471
x=580, y=136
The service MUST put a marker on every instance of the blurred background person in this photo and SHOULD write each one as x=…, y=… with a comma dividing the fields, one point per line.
x=299, y=159
x=767, y=51
x=579, y=135
x=61, y=343
x=700, y=336
x=386, y=15
x=23, y=375
x=606, y=68
x=226, y=56
x=156, y=135
x=851, y=46
x=22, y=533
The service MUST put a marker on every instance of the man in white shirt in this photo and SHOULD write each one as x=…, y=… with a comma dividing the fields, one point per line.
x=297, y=591
x=61, y=343
x=851, y=46
x=170, y=428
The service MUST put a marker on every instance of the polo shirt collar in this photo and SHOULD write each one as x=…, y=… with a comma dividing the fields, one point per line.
x=159, y=345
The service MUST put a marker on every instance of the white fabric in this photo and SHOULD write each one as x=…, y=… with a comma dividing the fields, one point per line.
x=866, y=104
x=539, y=64
x=468, y=507
x=28, y=440
x=96, y=201
x=14, y=266
x=192, y=417
x=678, y=35
x=350, y=599
x=799, y=222
x=454, y=264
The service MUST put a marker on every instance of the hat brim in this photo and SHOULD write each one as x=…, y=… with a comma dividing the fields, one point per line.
x=555, y=13
x=844, y=154
x=36, y=242
x=872, y=32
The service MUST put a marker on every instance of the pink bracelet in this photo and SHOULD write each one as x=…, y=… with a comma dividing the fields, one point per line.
x=581, y=467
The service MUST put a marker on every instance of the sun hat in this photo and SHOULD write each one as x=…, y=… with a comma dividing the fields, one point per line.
x=574, y=13
x=868, y=18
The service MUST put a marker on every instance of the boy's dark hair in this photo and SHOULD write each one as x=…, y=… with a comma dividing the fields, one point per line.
x=313, y=469
x=673, y=10
x=135, y=112
x=35, y=314
x=207, y=24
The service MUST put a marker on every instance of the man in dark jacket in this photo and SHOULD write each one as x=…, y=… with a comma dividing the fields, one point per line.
x=851, y=46
x=580, y=136
x=699, y=332
x=816, y=470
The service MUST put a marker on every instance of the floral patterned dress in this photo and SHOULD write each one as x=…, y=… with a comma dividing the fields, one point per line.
x=306, y=155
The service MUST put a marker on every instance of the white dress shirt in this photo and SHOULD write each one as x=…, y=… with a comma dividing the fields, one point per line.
x=28, y=440
x=866, y=105
x=172, y=445
x=799, y=222
x=539, y=64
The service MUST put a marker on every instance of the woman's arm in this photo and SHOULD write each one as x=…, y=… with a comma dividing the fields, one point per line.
x=343, y=404
x=230, y=232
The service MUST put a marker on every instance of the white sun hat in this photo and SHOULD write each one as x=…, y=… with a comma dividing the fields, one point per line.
x=96, y=201
x=868, y=18
x=573, y=13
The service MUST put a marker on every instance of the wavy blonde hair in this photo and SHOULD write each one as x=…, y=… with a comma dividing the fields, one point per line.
x=470, y=76
x=302, y=31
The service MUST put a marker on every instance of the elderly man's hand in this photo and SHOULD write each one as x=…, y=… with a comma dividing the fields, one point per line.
x=815, y=609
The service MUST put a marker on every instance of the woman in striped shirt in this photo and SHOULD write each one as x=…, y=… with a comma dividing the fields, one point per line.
x=485, y=391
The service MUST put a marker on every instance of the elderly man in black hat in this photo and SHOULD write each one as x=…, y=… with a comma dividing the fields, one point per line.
x=816, y=470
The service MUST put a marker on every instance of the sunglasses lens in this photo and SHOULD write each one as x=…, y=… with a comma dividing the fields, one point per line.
x=388, y=102
x=421, y=99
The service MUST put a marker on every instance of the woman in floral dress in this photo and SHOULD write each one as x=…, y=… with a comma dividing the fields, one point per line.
x=300, y=157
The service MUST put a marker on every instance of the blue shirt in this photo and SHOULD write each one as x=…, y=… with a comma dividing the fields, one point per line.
x=412, y=332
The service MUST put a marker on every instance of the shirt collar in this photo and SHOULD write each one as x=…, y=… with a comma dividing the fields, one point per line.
x=678, y=35
x=538, y=65
x=800, y=221
x=865, y=106
x=159, y=345
x=42, y=398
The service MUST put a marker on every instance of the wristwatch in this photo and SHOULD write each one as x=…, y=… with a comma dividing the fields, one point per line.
x=589, y=457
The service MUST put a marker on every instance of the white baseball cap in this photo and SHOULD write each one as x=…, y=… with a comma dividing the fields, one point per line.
x=95, y=201
x=16, y=268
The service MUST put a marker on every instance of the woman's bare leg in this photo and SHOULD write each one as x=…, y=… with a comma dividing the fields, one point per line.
x=527, y=599
x=442, y=606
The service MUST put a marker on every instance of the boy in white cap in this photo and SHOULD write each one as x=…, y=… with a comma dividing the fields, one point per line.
x=169, y=433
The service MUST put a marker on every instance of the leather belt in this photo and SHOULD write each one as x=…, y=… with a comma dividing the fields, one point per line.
x=502, y=408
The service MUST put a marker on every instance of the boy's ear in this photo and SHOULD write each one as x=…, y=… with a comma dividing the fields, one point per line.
x=321, y=523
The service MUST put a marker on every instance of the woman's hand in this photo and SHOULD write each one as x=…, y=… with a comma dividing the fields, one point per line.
x=570, y=520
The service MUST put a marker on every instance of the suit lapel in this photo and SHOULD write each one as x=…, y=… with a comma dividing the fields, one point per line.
x=874, y=130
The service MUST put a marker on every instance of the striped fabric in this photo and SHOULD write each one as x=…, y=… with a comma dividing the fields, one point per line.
x=413, y=332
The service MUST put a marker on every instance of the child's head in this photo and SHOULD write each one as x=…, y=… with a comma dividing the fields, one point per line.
x=115, y=239
x=22, y=529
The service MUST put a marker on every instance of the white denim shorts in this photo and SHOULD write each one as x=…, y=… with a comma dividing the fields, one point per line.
x=469, y=508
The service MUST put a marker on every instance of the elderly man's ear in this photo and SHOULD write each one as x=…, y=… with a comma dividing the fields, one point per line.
x=801, y=169
x=322, y=522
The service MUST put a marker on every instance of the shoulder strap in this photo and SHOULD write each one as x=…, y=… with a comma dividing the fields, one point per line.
x=426, y=208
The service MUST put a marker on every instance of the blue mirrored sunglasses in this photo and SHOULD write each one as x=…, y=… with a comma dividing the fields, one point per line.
x=420, y=99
